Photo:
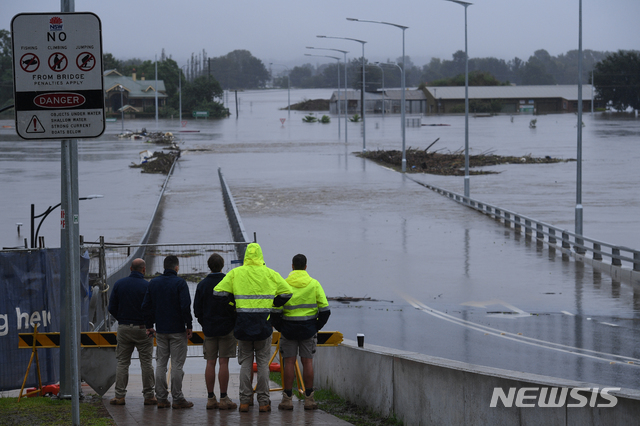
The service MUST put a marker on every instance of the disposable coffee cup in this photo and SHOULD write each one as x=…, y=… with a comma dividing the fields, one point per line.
x=360, y=340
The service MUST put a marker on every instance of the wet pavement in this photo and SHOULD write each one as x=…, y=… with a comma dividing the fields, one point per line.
x=134, y=412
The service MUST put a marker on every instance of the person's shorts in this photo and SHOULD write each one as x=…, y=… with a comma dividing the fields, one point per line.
x=291, y=348
x=220, y=347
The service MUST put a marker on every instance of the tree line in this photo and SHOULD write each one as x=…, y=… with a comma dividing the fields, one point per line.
x=204, y=79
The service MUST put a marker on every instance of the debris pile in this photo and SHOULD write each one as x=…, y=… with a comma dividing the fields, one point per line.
x=159, y=162
x=449, y=164
x=310, y=105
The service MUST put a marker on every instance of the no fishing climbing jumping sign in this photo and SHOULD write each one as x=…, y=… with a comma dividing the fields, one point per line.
x=57, y=73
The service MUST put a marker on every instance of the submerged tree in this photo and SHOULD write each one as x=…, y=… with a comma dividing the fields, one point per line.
x=617, y=79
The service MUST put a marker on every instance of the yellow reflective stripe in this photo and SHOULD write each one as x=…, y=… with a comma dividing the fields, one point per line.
x=253, y=310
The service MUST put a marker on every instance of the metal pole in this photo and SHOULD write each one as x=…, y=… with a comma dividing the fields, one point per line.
x=122, y=106
x=338, y=103
x=156, y=92
x=467, y=189
x=180, y=93
x=364, y=106
x=404, y=123
x=346, y=102
x=578, y=224
x=70, y=271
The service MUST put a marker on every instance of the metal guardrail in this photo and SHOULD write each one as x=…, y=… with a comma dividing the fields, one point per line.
x=619, y=256
x=237, y=228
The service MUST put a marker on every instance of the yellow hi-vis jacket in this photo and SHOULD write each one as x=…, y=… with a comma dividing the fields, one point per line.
x=308, y=309
x=254, y=288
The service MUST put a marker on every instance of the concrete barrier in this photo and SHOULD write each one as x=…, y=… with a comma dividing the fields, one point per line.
x=424, y=390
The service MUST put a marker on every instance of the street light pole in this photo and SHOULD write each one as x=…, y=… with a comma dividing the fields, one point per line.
x=346, y=105
x=377, y=64
x=288, y=86
x=121, y=105
x=180, y=90
x=466, y=101
x=403, y=111
x=35, y=232
x=337, y=103
x=578, y=224
x=364, y=127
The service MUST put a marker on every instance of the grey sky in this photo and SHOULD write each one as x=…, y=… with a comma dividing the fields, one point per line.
x=279, y=30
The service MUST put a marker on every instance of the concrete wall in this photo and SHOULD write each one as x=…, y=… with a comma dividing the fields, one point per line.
x=425, y=390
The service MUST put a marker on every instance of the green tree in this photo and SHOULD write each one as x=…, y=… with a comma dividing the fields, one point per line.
x=535, y=73
x=6, y=69
x=617, y=79
x=476, y=78
x=111, y=63
x=199, y=95
x=239, y=70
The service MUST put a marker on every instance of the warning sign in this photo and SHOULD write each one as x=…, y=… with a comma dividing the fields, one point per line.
x=63, y=98
x=35, y=126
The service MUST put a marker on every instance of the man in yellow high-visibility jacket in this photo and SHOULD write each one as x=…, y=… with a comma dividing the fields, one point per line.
x=257, y=291
x=303, y=316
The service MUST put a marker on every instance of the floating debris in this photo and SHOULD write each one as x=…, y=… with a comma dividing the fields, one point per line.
x=158, y=162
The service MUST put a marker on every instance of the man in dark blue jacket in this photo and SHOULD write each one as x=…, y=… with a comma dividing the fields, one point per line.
x=217, y=316
x=125, y=305
x=167, y=304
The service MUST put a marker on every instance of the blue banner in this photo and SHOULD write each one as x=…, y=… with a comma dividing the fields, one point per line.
x=30, y=295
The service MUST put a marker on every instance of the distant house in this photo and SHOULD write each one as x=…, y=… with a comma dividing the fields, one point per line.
x=136, y=94
x=514, y=99
x=390, y=99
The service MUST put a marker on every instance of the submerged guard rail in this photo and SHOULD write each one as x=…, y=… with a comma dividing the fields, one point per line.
x=618, y=256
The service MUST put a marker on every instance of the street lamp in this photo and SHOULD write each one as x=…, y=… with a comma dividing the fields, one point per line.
x=389, y=63
x=466, y=101
x=180, y=90
x=364, y=127
x=403, y=124
x=121, y=105
x=34, y=235
x=337, y=103
x=346, y=105
x=578, y=224
x=288, y=86
x=377, y=64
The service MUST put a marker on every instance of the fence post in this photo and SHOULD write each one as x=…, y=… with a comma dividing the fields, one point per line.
x=597, y=251
x=615, y=259
x=565, y=240
x=552, y=236
x=539, y=232
x=517, y=226
x=527, y=227
x=507, y=222
x=636, y=260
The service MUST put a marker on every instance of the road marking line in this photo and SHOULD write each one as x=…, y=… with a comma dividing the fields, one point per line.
x=507, y=335
x=568, y=313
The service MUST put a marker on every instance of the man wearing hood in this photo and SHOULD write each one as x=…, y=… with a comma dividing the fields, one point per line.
x=303, y=316
x=257, y=291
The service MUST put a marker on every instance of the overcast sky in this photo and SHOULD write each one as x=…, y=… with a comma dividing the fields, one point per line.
x=278, y=30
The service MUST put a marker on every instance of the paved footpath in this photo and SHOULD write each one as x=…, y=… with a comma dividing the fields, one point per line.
x=193, y=386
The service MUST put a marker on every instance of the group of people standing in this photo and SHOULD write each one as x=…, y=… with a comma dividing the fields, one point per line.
x=237, y=312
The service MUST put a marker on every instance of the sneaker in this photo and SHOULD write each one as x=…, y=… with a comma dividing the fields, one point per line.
x=212, y=403
x=183, y=403
x=151, y=401
x=244, y=408
x=310, y=403
x=164, y=403
x=227, y=404
x=265, y=408
x=287, y=402
x=117, y=401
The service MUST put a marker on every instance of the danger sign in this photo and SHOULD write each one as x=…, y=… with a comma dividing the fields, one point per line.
x=64, y=97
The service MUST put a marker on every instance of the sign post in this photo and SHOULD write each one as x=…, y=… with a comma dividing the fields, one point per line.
x=59, y=94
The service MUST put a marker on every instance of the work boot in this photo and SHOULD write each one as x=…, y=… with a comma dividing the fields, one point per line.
x=265, y=408
x=287, y=402
x=183, y=403
x=117, y=401
x=151, y=401
x=227, y=404
x=244, y=408
x=212, y=403
x=310, y=403
x=164, y=403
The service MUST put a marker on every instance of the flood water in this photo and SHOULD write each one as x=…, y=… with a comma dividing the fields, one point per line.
x=441, y=273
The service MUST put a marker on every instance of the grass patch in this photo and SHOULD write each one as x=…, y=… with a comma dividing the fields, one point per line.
x=50, y=411
x=331, y=403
